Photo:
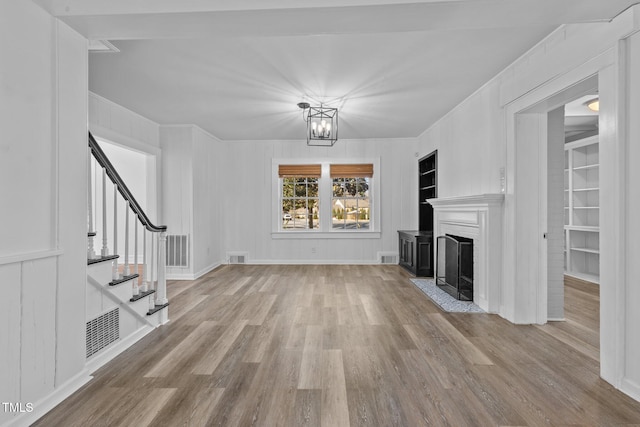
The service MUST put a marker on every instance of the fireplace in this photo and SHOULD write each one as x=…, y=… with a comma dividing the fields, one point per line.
x=455, y=266
x=479, y=219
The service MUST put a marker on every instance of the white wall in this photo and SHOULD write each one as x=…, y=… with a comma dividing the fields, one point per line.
x=208, y=184
x=121, y=125
x=132, y=167
x=116, y=124
x=632, y=225
x=555, y=214
x=471, y=145
x=248, y=197
x=43, y=150
x=482, y=133
x=192, y=183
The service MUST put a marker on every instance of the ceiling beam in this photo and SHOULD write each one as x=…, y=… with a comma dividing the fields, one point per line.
x=61, y=8
x=124, y=19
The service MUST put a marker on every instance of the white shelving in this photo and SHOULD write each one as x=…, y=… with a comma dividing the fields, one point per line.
x=582, y=209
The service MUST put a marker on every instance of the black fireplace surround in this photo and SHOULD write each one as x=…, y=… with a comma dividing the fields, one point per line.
x=454, y=272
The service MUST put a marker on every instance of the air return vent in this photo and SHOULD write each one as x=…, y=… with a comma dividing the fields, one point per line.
x=237, y=257
x=177, y=250
x=388, y=257
x=102, y=331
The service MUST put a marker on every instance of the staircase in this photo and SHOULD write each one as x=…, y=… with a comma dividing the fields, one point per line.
x=126, y=290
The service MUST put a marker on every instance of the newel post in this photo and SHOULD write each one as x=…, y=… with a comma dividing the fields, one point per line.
x=161, y=290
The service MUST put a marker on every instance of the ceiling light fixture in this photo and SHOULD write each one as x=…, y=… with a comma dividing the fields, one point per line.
x=322, y=124
x=594, y=104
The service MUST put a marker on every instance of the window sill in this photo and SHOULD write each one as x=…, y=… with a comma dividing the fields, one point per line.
x=325, y=235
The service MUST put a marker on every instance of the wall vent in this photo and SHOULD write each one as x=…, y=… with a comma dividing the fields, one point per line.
x=388, y=257
x=237, y=257
x=102, y=331
x=177, y=250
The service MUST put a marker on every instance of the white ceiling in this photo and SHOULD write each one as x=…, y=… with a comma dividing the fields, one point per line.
x=579, y=119
x=237, y=68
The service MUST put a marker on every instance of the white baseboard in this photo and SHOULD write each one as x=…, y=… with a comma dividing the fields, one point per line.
x=181, y=276
x=193, y=276
x=110, y=353
x=630, y=388
x=207, y=269
x=47, y=403
x=315, y=262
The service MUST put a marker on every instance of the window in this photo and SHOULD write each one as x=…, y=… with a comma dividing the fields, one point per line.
x=300, y=196
x=350, y=201
x=300, y=207
x=327, y=197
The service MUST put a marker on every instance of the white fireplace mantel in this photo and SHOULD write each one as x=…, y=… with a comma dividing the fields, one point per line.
x=477, y=217
x=468, y=201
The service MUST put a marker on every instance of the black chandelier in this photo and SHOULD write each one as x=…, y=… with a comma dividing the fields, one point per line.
x=322, y=124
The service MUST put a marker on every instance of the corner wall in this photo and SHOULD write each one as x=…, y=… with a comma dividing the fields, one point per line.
x=193, y=184
x=43, y=151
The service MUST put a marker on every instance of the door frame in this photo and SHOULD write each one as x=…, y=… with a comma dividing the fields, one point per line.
x=525, y=252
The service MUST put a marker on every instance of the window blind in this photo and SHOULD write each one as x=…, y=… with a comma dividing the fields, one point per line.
x=293, y=171
x=352, y=170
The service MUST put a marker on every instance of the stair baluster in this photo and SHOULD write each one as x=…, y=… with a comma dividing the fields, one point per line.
x=91, y=253
x=152, y=300
x=114, y=270
x=105, y=250
x=145, y=270
x=126, y=271
x=136, y=288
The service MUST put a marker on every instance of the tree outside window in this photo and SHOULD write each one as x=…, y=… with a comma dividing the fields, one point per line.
x=300, y=204
x=350, y=203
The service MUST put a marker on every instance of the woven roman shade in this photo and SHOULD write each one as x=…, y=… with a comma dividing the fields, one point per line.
x=299, y=171
x=352, y=170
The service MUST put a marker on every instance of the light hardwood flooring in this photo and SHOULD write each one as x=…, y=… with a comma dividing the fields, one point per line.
x=348, y=346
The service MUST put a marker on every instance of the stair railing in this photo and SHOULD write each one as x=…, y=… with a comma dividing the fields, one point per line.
x=149, y=276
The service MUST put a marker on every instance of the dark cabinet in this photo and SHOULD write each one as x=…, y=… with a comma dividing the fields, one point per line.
x=416, y=251
x=416, y=247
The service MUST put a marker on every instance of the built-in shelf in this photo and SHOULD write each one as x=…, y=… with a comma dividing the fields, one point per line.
x=590, y=229
x=582, y=209
x=586, y=250
x=427, y=189
x=416, y=246
x=584, y=276
x=585, y=167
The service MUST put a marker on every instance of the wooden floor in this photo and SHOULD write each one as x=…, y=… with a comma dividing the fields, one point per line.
x=348, y=345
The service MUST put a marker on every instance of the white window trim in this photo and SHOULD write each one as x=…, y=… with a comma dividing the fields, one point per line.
x=325, y=191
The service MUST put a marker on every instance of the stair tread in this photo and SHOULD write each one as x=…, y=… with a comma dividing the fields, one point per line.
x=157, y=308
x=102, y=259
x=123, y=279
x=141, y=295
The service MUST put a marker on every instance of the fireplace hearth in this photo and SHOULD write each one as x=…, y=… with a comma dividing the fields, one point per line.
x=454, y=267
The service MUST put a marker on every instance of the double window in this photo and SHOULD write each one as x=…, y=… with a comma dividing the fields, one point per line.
x=326, y=197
